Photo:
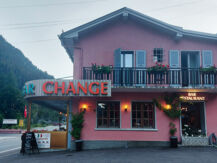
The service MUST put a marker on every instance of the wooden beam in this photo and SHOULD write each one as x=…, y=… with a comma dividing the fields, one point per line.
x=29, y=117
x=67, y=122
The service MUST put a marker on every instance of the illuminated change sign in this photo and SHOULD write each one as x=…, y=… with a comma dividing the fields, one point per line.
x=68, y=88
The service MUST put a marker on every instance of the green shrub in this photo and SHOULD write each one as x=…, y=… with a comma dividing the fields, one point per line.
x=77, y=124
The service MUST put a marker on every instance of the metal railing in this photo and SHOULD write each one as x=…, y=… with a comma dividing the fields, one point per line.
x=184, y=77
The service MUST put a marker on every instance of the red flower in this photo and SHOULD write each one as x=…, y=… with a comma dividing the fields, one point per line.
x=168, y=66
x=156, y=62
x=163, y=65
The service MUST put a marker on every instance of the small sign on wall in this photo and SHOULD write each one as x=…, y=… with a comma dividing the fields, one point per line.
x=10, y=121
x=43, y=140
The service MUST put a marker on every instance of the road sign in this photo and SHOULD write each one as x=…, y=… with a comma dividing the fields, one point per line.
x=21, y=123
x=10, y=121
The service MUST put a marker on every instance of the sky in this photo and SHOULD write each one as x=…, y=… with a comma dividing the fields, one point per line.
x=33, y=26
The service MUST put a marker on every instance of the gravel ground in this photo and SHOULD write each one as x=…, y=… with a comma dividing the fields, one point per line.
x=155, y=155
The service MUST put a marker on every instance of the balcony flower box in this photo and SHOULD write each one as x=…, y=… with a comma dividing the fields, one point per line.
x=209, y=70
x=158, y=72
x=101, y=71
x=158, y=68
x=97, y=69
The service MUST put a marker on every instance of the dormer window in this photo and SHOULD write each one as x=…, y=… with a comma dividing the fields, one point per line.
x=158, y=55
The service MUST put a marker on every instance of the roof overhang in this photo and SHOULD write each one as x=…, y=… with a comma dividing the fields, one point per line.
x=124, y=14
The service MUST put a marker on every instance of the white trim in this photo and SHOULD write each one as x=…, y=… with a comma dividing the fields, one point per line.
x=125, y=129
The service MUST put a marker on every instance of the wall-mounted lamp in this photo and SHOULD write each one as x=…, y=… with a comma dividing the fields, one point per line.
x=60, y=113
x=84, y=107
x=168, y=107
x=125, y=108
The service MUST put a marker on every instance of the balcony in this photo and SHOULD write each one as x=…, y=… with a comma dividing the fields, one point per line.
x=142, y=78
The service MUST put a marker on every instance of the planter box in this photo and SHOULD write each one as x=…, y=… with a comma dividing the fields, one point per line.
x=173, y=142
x=78, y=145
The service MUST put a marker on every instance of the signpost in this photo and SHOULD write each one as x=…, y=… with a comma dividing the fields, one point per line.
x=29, y=144
x=21, y=123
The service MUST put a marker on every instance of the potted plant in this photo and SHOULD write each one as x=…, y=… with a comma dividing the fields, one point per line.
x=77, y=125
x=208, y=70
x=158, y=71
x=159, y=68
x=173, y=138
x=97, y=69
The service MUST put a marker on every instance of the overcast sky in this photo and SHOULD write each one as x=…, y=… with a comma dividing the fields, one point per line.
x=33, y=25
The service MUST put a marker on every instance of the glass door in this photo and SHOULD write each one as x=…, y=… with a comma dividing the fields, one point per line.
x=190, y=64
x=127, y=67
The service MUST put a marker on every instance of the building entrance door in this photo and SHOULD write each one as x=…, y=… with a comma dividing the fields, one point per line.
x=193, y=119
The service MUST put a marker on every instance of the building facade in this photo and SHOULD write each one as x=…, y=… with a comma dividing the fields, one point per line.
x=144, y=59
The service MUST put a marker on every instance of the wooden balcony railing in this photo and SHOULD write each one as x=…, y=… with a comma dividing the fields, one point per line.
x=184, y=77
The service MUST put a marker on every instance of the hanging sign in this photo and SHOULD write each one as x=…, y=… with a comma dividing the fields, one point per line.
x=193, y=97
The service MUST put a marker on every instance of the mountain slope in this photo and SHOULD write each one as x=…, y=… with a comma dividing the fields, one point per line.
x=13, y=61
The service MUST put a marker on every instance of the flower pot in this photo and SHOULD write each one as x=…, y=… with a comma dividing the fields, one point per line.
x=173, y=142
x=78, y=145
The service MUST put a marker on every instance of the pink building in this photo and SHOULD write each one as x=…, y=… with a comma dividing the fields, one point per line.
x=144, y=59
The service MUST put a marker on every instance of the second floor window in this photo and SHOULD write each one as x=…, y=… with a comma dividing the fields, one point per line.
x=108, y=114
x=158, y=55
x=127, y=59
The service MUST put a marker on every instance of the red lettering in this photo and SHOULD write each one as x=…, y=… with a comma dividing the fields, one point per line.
x=103, y=88
x=61, y=87
x=71, y=88
x=90, y=88
x=79, y=86
x=44, y=87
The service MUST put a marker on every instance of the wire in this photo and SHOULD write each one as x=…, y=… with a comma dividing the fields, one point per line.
x=43, y=22
x=35, y=26
x=176, y=5
x=64, y=77
x=35, y=41
x=52, y=4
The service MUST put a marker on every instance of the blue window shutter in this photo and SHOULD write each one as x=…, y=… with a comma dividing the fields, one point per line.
x=117, y=58
x=174, y=58
x=140, y=58
x=207, y=58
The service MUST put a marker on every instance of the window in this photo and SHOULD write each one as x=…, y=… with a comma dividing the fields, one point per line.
x=158, y=54
x=108, y=114
x=127, y=59
x=143, y=115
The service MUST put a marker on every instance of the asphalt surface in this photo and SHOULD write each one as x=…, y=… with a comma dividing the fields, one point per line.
x=132, y=155
x=9, y=144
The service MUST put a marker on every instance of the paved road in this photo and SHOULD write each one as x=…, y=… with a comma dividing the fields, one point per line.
x=9, y=144
x=133, y=155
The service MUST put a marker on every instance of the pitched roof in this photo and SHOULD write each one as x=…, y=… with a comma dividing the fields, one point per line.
x=125, y=12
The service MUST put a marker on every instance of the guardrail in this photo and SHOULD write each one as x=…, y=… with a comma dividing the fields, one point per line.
x=184, y=77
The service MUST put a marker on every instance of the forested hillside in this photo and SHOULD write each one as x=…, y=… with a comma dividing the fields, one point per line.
x=15, y=70
x=14, y=62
